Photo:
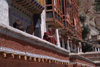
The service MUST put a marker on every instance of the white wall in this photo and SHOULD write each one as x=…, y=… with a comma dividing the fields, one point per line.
x=4, y=12
x=43, y=23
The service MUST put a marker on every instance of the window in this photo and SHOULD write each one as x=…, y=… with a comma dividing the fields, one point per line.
x=49, y=7
x=37, y=22
x=55, y=15
x=64, y=23
x=49, y=14
x=21, y=21
x=59, y=4
x=48, y=2
x=61, y=20
x=58, y=18
x=63, y=6
x=67, y=24
x=74, y=32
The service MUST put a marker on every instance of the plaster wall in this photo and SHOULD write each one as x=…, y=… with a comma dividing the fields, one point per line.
x=4, y=12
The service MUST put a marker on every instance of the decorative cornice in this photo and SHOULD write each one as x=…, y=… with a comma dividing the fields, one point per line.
x=89, y=53
x=36, y=56
x=80, y=64
x=27, y=54
x=75, y=55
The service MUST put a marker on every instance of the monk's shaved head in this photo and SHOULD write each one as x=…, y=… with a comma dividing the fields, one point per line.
x=51, y=28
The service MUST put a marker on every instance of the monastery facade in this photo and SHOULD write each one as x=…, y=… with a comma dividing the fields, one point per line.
x=22, y=27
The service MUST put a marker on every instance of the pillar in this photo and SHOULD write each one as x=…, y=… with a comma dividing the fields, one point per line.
x=75, y=48
x=80, y=47
x=98, y=49
x=63, y=45
x=95, y=49
x=68, y=47
x=43, y=23
x=71, y=46
x=4, y=11
x=57, y=37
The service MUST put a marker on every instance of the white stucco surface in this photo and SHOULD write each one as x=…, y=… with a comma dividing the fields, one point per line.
x=43, y=23
x=4, y=12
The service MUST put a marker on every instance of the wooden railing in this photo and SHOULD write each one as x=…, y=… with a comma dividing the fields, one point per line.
x=54, y=14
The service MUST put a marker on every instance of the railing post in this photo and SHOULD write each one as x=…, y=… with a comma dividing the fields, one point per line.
x=57, y=36
x=80, y=46
x=98, y=49
x=95, y=49
x=78, y=49
x=75, y=48
x=63, y=45
x=71, y=46
x=43, y=23
x=68, y=47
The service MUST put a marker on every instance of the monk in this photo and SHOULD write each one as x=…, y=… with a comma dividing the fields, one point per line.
x=17, y=24
x=48, y=36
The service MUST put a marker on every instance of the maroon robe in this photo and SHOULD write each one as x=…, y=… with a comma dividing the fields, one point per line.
x=51, y=39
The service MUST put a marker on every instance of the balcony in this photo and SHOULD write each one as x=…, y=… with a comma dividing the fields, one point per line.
x=33, y=40
x=53, y=15
x=77, y=34
x=68, y=27
x=28, y=46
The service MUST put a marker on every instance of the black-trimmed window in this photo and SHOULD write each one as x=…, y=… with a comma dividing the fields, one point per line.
x=48, y=7
x=48, y=2
x=58, y=18
x=49, y=14
x=55, y=15
x=67, y=24
x=64, y=23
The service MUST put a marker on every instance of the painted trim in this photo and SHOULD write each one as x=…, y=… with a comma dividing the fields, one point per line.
x=8, y=50
x=80, y=63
